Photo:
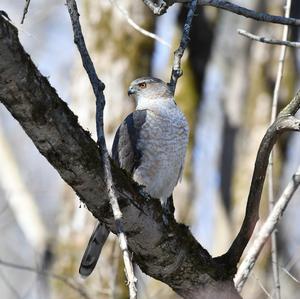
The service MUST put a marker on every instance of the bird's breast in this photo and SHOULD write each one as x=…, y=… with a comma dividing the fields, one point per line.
x=163, y=140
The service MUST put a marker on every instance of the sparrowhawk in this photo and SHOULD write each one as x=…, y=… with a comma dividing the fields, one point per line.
x=150, y=144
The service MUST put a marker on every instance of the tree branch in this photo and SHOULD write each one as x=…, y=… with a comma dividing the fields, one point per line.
x=27, y=2
x=176, y=69
x=267, y=40
x=81, y=291
x=285, y=121
x=167, y=253
x=234, y=8
x=266, y=230
x=138, y=28
x=98, y=88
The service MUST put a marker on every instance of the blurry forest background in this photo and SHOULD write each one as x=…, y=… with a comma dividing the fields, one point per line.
x=226, y=93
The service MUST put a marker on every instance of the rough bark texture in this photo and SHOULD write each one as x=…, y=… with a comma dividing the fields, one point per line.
x=168, y=253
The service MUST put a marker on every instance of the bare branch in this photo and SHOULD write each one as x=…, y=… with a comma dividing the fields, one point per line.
x=137, y=27
x=27, y=2
x=268, y=40
x=274, y=250
x=261, y=286
x=290, y=275
x=234, y=8
x=285, y=121
x=176, y=70
x=266, y=230
x=98, y=88
x=79, y=289
x=158, y=8
x=97, y=85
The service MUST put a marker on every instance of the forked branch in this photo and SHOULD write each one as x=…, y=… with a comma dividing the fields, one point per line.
x=285, y=121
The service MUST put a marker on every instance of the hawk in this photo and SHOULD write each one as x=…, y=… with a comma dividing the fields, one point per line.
x=150, y=144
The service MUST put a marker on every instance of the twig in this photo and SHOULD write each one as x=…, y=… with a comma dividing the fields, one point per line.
x=266, y=230
x=268, y=40
x=261, y=285
x=158, y=8
x=274, y=251
x=98, y=88
x=61, y=278
x=137, y=27
x=25, y=10
x=285, y=121
x=176, y=70
x=290, y=275
x=10, y=286
x=294, y=259
x=234, y=8
x=248, y=13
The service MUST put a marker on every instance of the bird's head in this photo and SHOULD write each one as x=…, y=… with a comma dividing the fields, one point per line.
x=147, y=90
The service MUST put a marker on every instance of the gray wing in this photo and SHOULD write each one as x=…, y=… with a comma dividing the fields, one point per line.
x=125, y=151
x=126, y=155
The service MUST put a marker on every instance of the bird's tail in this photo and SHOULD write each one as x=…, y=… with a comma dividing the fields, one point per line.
x=93, y=250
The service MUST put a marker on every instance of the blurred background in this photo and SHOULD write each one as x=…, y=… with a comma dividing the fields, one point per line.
x=226, y=94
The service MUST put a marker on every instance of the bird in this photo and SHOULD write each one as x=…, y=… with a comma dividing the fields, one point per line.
x=150, y=145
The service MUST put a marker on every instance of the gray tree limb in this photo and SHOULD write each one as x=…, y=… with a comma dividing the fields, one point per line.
x=267, y=40
x=226, y=5
x=176, y=69
x=27, y=2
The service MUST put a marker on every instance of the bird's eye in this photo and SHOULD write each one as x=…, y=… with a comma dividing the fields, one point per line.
x=142, y=85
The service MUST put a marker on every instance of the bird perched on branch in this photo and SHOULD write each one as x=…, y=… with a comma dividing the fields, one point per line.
x=150, y=144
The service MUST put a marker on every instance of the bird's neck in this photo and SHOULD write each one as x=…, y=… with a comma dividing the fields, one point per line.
x=156, y=105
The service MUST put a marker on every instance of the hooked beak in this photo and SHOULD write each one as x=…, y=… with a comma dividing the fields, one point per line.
x=131, y=91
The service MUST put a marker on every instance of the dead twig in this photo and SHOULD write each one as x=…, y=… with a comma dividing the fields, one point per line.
x=98, y=88
x=226, y=5
x=27, y=2
x=176, y=69
x=261, y=286
x=61, y=278
x=267, y=40
x=290, y=275
x=137, y=27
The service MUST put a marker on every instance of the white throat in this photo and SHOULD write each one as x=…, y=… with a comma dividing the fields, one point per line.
x=155, y=105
